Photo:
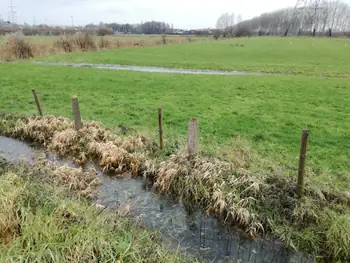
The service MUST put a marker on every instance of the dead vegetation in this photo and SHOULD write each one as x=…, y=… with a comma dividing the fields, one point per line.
x=116, y=154
x=260, y=200
x=15, y=48
x=41, y=221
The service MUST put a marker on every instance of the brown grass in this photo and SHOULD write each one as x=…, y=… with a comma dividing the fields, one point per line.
x=10, y=191
x=16, y=48
x=116, y=154
x=257, y=199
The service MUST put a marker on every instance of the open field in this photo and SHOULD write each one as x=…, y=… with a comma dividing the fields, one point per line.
x=253, y=123
x=269, y=111
x=306, y=56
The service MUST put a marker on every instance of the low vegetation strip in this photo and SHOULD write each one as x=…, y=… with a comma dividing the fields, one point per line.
x=40, y=221
x=261, y=202
x=290, y=55
x=17, y=48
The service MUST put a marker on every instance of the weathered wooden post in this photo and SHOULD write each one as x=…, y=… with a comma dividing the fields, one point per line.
x=193, y=139
x=37, y=102
x=76, y=112
x=302, y=159
x=160, y=123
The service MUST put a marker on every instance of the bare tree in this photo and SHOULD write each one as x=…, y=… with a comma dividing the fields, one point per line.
x=307, y=17
x=225, y=24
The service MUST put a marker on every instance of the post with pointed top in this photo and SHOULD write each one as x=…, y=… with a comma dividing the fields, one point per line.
x=37, y=102
x=302, y=159
x=76, y=112
x=160, y=123
x=193, y=139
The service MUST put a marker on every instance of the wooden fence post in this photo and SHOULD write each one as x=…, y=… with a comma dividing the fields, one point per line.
x=302, y=159
x=76, y=112
x=37, y=102
x=193, y=139
x=160, y=123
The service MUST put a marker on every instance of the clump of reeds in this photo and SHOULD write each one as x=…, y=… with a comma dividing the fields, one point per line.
x=16, y=48
x=65, y=44
x=11, y=189
x=214, y=185
x=116, y=154
x=19, y=48
x=78, y=42
x=104, y=43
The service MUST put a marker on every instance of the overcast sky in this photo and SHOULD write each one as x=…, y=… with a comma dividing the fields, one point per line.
x=181, y=13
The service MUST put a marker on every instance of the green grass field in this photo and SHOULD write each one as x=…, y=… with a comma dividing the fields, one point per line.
x=263, y=113
x=306, y=56
x=269, y=111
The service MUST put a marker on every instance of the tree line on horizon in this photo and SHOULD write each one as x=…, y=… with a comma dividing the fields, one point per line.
x=306, y=18
x=101, y=29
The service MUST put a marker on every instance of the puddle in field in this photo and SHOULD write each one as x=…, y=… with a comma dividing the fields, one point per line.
x=194, y=233
x=159, y=69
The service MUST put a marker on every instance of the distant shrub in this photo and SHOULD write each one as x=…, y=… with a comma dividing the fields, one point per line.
x=164, y=39
x=243, y=32
x=84, y=42
x=189, y=39
x=64, y=43
x=217, y=35
x=80, y=41
x=262, y=33
x=104, y=43
x=104, y=32
x=16, y=48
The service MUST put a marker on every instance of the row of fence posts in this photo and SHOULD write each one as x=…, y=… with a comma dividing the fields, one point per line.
x=192, y=138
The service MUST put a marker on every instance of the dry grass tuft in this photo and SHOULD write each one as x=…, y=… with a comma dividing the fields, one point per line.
x=10, y=190
x=92, y=142
x=259, y=199
x=16, y=48
x=213, y=184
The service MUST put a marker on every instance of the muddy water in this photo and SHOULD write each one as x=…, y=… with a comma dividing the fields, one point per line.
x=194, y=233
x=159, y=69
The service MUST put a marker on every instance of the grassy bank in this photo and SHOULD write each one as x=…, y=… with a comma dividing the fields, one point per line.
x=306, y=56
x=269, y=112
x=40, y=221
x=250, y=193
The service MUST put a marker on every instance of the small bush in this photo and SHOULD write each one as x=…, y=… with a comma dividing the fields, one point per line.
x=104, y=43
x=64, y=44
x=164, y=39
x=217, y=35
x=189, y=39
x=104, y=31
x=84, y=42
x=243, y=32
x=16, y=48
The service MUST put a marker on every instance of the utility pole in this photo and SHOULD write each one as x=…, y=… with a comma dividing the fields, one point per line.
x=72, y=18
x=12, y=13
